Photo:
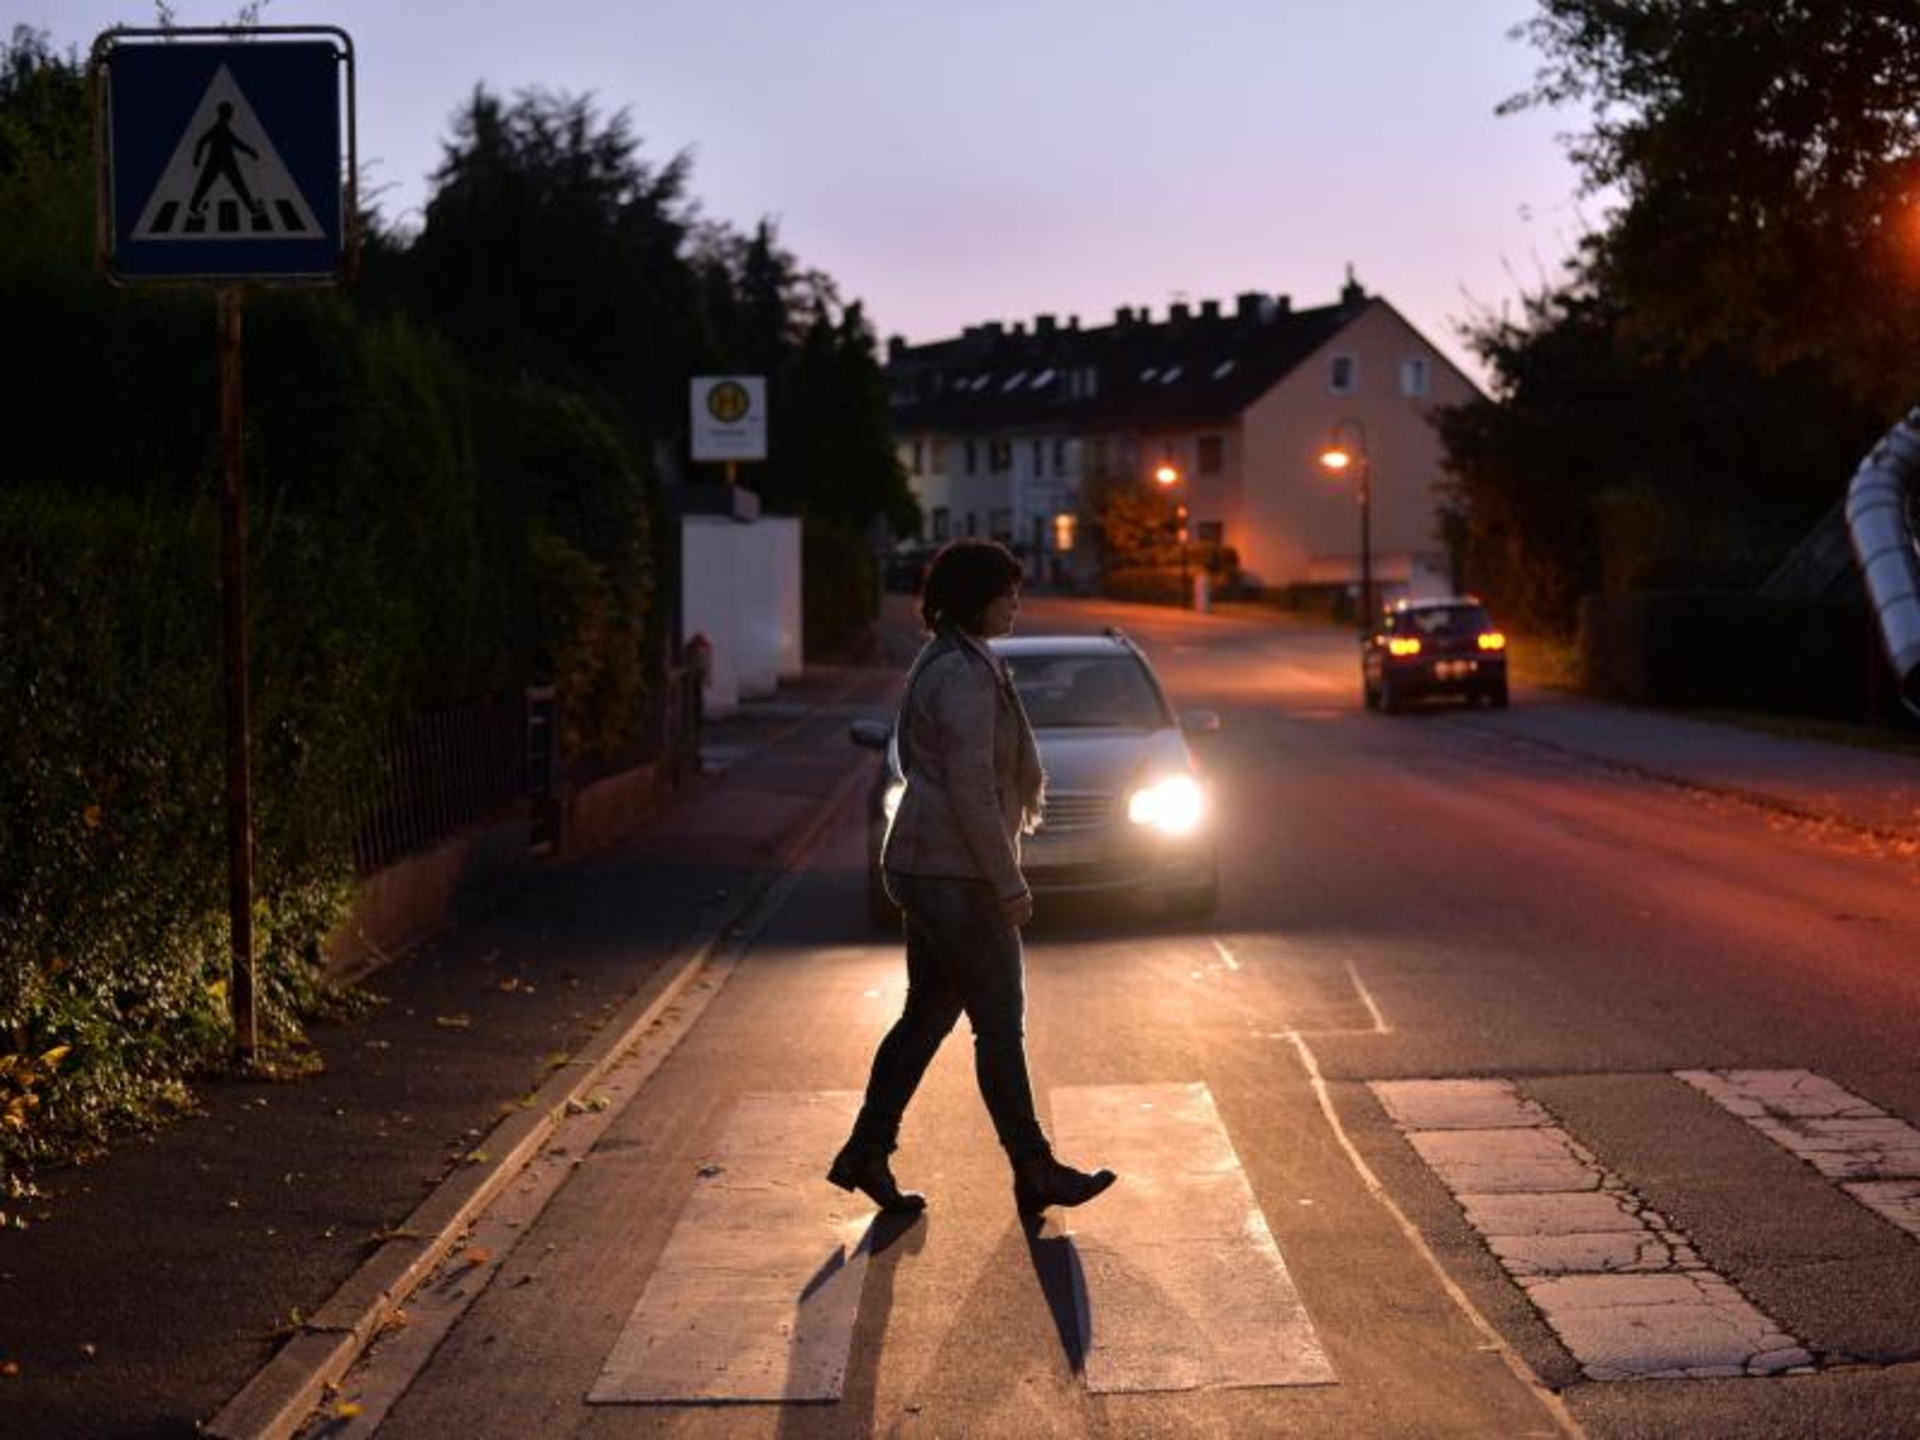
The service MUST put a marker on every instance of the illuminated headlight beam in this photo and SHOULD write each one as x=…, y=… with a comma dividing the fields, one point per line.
x=1173, y=806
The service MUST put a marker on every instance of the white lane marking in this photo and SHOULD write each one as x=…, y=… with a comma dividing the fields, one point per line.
x=1366, y=996
x=756, y=1294
x=1183, y=1285
x=1550, y=1401
x=1874, y=1155
x=1626, y=1293
x=1226, y=956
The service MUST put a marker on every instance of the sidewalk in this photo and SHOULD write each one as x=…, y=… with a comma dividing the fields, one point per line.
x=163, y=1277
x=1875, y=791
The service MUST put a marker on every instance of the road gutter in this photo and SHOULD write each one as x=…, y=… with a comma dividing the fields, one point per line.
x=298, y=1380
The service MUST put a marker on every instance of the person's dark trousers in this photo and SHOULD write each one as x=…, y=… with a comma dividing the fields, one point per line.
x=963, y=955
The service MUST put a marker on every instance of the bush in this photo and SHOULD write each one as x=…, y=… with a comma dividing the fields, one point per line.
x=1147, y=585
x=113, y=851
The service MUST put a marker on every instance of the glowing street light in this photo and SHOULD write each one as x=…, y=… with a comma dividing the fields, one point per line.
x=1169, y=478
x=1347, y=451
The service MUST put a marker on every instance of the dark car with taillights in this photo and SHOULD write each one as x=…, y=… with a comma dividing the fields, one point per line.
x=1426, y=648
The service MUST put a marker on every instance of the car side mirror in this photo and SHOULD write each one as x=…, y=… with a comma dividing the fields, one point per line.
x=870, y=734
x=1200, y=722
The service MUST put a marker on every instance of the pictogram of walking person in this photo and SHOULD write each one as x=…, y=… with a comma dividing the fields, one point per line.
x=220, y=147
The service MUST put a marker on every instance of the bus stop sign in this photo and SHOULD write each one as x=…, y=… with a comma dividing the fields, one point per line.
x=222, y=160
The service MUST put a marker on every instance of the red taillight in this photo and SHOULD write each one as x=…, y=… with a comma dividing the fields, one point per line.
x=1408, y=646
x=1493, y=640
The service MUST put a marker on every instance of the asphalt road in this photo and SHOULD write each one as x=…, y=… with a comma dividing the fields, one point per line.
x=1423, y=898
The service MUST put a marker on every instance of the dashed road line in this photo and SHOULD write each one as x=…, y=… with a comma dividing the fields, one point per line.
x=1183, y=1286
x=1874, y=1155
x=1626, y=1293
x=756, y=1294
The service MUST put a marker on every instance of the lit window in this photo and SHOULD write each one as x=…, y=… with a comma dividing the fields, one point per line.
x=1343, y=375
x=1413, y=375
x=1063, y=528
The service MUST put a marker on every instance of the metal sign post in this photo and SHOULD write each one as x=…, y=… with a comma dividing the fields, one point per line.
x=221, y=163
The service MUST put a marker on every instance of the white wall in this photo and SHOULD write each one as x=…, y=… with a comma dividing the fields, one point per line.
x=740, y=587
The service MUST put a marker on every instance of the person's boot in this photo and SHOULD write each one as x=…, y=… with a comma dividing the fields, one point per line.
x=1041, y=1180
x=863, y=1166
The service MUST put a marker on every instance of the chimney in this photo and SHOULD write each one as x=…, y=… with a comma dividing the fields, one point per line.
x=1044, y=325
x=1246, y=305
x=1352, y=292
x=1019, y=327
x=993, y=329
x=896, y=348
x=1283, y=303
x=1180, y=313
x=1073, y=322
x=1123, y=316
x=1209, y=309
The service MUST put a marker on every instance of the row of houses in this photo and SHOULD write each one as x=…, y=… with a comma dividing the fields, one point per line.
x=1004, y=429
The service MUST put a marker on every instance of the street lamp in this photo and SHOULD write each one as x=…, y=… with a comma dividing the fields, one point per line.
x=1169, y=478
x=1347, y=450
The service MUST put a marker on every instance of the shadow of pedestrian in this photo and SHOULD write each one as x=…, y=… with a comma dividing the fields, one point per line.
x=1063, y=1283
x=890, y=1240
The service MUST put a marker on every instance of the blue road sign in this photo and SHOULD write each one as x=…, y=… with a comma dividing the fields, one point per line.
x=223, y=162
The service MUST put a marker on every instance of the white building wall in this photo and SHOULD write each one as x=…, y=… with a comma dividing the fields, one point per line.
x=740, y=587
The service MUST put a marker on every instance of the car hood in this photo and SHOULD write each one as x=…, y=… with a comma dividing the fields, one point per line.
x=1109, y=760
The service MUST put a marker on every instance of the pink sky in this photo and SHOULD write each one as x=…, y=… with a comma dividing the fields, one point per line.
x=949, y=164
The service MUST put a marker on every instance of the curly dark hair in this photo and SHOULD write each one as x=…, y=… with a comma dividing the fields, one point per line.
x=964, y=579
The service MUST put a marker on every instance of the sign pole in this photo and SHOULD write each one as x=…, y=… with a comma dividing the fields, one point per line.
x=228, y=304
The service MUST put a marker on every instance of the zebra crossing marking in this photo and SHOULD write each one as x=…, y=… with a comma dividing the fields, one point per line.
x=1183, y=1287
x=1626, y=1293
x=1874, y=1155
x=756, y=1294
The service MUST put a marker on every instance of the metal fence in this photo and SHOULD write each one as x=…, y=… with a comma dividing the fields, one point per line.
x=439, y=774
x=436, y=775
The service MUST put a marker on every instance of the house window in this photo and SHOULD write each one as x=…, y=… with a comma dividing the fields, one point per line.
x=937, y=457
x=1000, y=525
x=1039, y=533
x=1039, y=458
x=1343, y=375
x=1213, y=454
x=941, y=522
x=1063, y=528
x=1413, y=375
x=973, y=524
x=999, y=456
x=973, y=457
x=919, y=457
x=1060, y=457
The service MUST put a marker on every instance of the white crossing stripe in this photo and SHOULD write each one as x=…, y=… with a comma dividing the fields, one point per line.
x=756, y=1293
x=1184, y=1287
x=1874, y=1155
x=1625, y=1292
x=225, y=179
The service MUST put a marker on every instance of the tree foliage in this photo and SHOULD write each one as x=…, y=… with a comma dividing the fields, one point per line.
x=1692, y=399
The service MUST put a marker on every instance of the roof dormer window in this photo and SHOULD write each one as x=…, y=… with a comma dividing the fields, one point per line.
x=1171, y=374
x=1225, y=368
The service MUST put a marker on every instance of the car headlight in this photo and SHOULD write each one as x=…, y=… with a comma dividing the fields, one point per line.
x=1173, y=806
x=890, y=798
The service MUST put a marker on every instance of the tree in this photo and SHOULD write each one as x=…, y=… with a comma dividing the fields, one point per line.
x=1769, y=159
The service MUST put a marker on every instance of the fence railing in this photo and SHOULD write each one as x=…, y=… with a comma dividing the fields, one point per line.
x=437, y=775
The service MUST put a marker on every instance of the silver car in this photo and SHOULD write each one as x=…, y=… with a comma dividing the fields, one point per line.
x=1128, y=809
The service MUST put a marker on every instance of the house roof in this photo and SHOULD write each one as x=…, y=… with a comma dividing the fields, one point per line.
x=1192, y=369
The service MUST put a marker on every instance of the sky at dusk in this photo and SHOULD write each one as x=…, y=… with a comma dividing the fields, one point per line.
x=949, y=164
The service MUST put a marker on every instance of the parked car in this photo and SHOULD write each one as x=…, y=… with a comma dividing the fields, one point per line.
x=1423, y=648
x=1128, y=809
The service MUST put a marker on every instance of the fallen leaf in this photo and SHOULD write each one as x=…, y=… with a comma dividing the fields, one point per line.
x=346, y=1410
x=478, y=1255
x=10, y=1368
x=453, y=1022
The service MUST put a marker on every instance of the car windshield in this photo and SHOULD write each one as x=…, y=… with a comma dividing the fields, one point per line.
x=1443, y=620
x=1075, y=691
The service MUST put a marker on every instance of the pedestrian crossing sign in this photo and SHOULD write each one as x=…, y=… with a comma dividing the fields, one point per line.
x=222, y=159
